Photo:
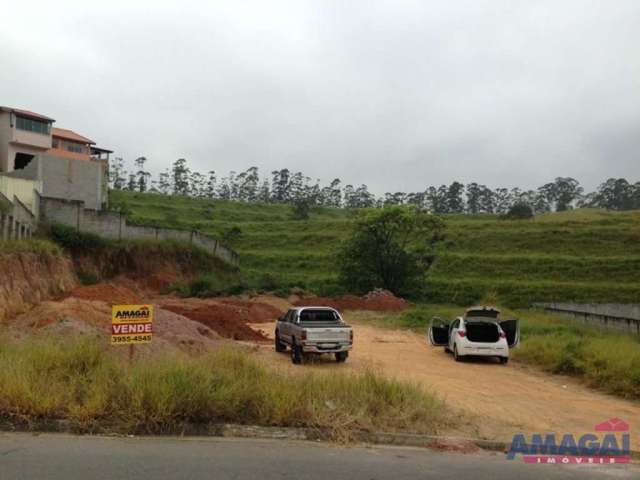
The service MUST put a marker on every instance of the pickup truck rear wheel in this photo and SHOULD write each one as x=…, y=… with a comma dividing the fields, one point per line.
x=296, y=354
x=341, y=356
x=280, y=347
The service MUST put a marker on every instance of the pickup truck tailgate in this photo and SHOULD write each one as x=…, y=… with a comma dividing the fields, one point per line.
x=328, y=335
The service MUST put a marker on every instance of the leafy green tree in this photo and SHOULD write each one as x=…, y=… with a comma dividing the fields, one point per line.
x=301, y=209
x=436, y=199
x=280, y=185
x=455, y=203
x=520, y=211
x=392, y=248
x=264, y=194
x=197, y=184
x=615, y=194
x=224, y=191
x=181, y=174
x=397, y=198
x=567, y=190
x=365, y=198
x=164, y=182
x=210, y=189
x=248, y=185
x=117, y=174
x=473, y=191
x=502, y=199
x=487, y=200
x=142, y=174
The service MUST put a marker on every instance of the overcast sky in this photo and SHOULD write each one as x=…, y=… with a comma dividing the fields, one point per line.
x=395, y=94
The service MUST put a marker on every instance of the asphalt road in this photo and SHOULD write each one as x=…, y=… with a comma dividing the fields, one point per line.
x=65, y=457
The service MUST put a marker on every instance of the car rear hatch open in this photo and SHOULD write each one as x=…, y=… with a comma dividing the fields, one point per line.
x=482, y=331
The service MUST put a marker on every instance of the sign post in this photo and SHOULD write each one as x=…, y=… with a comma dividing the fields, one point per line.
x=131, y=324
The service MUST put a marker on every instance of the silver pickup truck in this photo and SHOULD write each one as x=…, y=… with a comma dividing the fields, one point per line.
x=313, y=330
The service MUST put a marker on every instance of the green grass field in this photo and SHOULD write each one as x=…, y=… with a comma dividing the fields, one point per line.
x=582, y=255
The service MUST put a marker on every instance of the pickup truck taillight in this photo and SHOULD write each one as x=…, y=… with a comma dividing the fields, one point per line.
x=304, y=335
x=351, y=336
x=462, y=333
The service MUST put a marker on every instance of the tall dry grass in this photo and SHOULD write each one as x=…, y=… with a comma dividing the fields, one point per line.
x=81, y=382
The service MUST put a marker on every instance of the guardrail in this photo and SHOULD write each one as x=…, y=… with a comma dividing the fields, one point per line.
x=621, y=317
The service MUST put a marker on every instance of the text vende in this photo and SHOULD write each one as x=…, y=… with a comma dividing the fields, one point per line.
x=129, y=328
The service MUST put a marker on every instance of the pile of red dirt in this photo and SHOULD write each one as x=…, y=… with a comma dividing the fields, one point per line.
x=377, y=300
x=223, y=319
x=253, y=312
x=230, y=318
x=76, y=317
x=108, y=293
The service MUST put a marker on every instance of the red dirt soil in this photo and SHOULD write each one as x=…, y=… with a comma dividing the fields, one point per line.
x=377, y=300
x=75, y=317
x=228, y=317
x=227, y=320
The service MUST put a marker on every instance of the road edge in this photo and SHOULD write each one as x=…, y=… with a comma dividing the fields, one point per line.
x=229, y=430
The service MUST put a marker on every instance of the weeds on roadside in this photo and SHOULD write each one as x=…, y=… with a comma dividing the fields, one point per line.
x=91, y=388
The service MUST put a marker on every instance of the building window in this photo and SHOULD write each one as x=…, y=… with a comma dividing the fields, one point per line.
x=55, y=143
x=74, y=147
x=31, y=125
x=22, y=160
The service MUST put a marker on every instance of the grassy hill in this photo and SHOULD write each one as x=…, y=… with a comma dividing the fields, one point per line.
x=583, y=255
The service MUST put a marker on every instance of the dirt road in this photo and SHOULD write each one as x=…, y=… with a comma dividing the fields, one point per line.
x=496, y=401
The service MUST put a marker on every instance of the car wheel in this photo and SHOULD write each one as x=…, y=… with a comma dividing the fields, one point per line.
x=280, y=347
x=504, y=360
x=296, y=354
x=456, y=357
x=341, y=356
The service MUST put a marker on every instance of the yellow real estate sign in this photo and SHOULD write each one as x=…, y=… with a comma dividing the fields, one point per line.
x=131, y=324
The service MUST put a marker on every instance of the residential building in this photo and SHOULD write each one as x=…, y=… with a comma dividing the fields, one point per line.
x=62, y=163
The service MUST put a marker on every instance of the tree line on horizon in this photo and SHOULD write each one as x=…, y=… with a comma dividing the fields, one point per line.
x=287, y=187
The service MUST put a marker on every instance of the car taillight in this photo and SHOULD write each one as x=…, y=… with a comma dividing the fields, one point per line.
x=304, y=335
x=462, y=333
x=503, y=335
x=351, y=336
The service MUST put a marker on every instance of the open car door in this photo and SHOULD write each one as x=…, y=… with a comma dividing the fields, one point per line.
x=511, y=328
x=439, y=332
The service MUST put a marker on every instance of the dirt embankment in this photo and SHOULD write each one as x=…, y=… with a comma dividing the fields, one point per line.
x=153, y=270
x=27, y=279
x=377, y=300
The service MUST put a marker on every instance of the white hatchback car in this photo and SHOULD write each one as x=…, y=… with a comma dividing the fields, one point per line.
x=480, y=332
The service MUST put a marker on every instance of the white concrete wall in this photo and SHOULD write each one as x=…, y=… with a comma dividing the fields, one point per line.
x=24, y=190
x=618, y=316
